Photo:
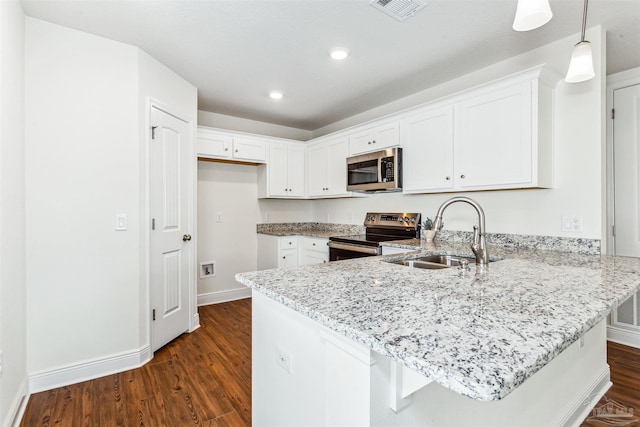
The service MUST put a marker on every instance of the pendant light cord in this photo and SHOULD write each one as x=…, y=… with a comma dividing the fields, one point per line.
x=584, y=19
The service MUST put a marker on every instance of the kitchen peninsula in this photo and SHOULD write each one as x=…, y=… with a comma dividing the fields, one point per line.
x=369, y=342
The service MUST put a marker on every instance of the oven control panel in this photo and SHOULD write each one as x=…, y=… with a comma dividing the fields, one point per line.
x=394, y=220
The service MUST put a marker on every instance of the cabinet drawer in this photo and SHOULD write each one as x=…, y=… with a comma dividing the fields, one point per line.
x=315, y=244
x=287, y=243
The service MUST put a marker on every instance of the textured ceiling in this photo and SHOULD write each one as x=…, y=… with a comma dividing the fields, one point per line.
x=236, y=51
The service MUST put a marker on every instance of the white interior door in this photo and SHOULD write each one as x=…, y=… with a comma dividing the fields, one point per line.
x=170, y=206
x=626, y=146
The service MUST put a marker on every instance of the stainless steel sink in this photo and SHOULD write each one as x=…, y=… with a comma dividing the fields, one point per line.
x=447, y=260
x=434, y=262
x=420, y=264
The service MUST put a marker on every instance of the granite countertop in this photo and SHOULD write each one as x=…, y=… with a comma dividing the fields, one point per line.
x=309, y=229
x=479, y=333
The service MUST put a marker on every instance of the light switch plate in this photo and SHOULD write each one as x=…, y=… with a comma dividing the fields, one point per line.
x=121, y=222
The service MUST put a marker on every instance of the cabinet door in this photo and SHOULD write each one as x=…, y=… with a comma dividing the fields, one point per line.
x=212, y=145
x=249, y=149
x=493, y=145
x=361, y=142
x=317, y=157
x=427, y=141
x=295, y=171
x=336, y=170
x=288, y=258
x=277, y=170
x=386, y=136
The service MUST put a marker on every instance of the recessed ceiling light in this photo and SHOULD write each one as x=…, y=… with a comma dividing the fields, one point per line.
x=275, y=94
x=339, y=53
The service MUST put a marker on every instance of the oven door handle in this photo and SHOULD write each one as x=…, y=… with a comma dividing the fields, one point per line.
x=355, y=248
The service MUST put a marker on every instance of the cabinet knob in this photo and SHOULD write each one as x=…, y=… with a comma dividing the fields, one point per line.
x=290, y=190
x=226, y=149
x=314, y=244
x=236, y=150
x=448, y=178
x=290, y=242
x=462, y=176
x=374, y=141
x=284, y=257
x=369, y=142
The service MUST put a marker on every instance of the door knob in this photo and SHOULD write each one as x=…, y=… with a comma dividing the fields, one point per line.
x=186, y=238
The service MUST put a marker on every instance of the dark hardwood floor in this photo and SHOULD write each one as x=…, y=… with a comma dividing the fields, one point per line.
x=200, y=379
x=204, y=379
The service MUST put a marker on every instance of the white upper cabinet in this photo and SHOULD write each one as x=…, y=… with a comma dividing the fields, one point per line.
x=494, y=144
x=283, y=176
x=373, y=139
x=427, y=140
x=326, y=168
x=498, y=136
x=216, y=145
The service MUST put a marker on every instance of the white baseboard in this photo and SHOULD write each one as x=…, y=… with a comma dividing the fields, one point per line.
x=583, y=406
x=88, y=370
x=623, y=336
x=224, y=296
x=17, y=407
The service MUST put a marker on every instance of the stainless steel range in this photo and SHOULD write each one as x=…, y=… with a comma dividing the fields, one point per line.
x=379, y=227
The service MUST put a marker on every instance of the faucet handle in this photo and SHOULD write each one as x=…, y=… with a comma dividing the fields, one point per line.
x=476, y=240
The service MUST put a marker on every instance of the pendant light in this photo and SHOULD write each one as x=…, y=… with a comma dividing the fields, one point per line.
x=581, y=65
x=531, y=14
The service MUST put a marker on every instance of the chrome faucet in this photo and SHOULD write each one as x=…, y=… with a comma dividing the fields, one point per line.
x=479, y=245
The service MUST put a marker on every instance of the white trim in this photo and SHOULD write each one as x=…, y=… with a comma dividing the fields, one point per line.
x=88, y=369
x=623, y=336
x=223, y=296
x=614, y=81
x=583, y=406
x=17, y=407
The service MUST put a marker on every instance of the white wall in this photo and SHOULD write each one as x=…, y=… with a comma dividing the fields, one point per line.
x=82, y=169
x=222, y=121
x=13, y=335
x=578, y=156
x=230, y=190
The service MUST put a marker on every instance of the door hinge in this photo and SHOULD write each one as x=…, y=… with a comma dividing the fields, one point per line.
x=153, y=223
x=613, y=230
x=154, y=314
x=613, y=114
x=153, y=132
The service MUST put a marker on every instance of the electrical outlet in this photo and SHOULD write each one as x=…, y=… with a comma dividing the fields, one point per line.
x=572, y=224
x=283, y=359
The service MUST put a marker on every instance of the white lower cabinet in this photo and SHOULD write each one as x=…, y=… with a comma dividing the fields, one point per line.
x=283, y=176
x=313, y=251
x=290, y=251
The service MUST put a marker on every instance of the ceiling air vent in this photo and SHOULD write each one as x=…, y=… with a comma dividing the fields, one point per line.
x=399, y=9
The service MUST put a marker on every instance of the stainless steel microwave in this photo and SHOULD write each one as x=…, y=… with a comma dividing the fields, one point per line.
x=375, y=172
